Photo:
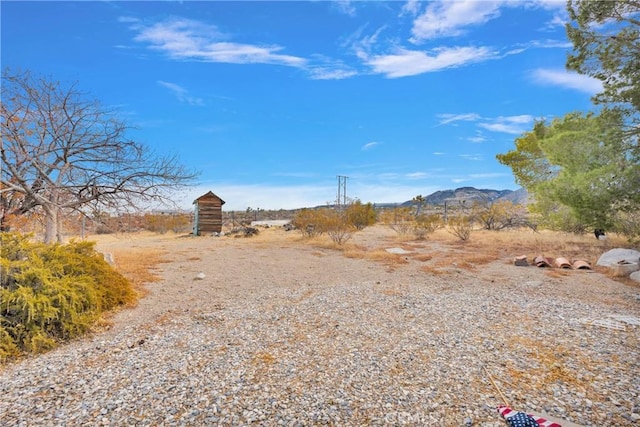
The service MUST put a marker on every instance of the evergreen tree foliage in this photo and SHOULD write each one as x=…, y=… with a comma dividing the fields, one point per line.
x=51, y=293
x=580, y=169
x=606, y=40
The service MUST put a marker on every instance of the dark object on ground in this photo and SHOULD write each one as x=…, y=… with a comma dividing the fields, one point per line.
x=599, y=232
x=520, y=261
x=244, y=231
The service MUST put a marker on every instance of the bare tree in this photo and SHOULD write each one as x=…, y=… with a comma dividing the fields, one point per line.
x=63, y=152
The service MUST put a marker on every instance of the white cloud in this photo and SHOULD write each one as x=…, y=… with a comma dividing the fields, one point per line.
x=411, y=7
x=187, y=39
x=475, y=157
x=240, y=197
x=516, y=124
x=477, y=139
x=369, y=145
x=405, y=62
x=417, y=175
x=328, y=69
x=447, y=118
x=460, y=180
x=448, y=18
x=569, y=80
x=181, y=93
x=544, y=4
x=345, y=6
x=508, y=124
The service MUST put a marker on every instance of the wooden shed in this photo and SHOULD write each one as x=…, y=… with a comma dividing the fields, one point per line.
x=208, y=214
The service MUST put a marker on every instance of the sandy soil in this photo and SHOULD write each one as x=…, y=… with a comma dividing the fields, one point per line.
x=235, y=268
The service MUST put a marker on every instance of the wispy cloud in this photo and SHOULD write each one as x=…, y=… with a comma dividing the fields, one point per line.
x=417, y=175
x=477, y=139
x=508, y=124
x=460, y=180
x=449, y=18
x=186, y=39
x=444, y=18
x=411, y=7
x=474, y=157
x=369, y=145
x=406, y=62
x=569, y=80
x=324, y=68
x=504, y=124
x=181, y=93
x=447, y=118
x=345, y=6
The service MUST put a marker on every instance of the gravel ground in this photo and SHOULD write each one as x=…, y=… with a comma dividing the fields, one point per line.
x=288, y=334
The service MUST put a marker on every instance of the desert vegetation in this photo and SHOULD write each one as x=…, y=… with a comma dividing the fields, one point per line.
x=51, y=293
x=582, y=171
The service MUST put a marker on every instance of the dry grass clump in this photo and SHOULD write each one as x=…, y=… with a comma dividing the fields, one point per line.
x=377, y=255
x=138, y=265
x=434, y=270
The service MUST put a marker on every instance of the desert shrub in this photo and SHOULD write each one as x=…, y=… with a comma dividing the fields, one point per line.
x=338, y=226
x=359, y=215
x=315, y=222
x=426, y=224
x=400, y=220
x=50, y=293
x=628, y=224
x=310, y=222
x=164, y=223
x=499, y=215
x=461, y=227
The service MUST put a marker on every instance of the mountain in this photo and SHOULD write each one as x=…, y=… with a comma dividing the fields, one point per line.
x=469, y=195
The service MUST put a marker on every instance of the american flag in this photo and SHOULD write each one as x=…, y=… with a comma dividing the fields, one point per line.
x=520, y=419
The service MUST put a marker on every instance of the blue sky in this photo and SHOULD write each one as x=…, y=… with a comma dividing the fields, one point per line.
x=270, y=101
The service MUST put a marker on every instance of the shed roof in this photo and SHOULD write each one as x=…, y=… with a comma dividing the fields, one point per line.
x=210, y=195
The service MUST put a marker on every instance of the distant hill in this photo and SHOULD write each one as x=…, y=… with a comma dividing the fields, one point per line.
x=470, y=195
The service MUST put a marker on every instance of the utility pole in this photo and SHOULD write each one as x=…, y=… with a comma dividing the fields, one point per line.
x=342, y=190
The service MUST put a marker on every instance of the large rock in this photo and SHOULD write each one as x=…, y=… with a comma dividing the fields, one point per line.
x=635, y=276
x=614, y=256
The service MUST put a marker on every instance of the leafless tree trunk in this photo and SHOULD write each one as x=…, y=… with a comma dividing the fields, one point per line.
x=63, y=152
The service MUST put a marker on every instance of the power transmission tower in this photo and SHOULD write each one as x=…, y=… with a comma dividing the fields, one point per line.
x=342, y=190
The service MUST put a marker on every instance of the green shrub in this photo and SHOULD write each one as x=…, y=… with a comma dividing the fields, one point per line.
x=461, y=227
x=426, y=224
x=50, y=293
x=400, y=220
x=310, y=222
x=337, y=226
x=360, y=216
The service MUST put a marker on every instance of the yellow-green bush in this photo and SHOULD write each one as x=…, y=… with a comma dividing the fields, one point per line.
x=427, y=224
x=310, y=222
x=401, y=220
x=461, y=227
x=50, y=293
x=360, y=216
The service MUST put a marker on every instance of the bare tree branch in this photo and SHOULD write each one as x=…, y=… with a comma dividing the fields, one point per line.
x=62, y=151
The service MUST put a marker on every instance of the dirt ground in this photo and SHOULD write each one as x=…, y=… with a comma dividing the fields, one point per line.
x=237, y=266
